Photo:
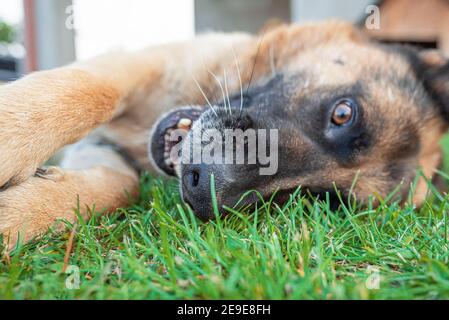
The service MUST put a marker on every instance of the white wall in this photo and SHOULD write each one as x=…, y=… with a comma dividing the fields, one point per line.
x=11, y=11
x=104, y=25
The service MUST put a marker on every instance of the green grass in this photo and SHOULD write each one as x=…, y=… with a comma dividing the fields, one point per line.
x=157, y=249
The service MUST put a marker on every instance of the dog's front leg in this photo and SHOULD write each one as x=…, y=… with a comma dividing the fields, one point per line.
x=45, y=111
x=101, y=179
x=38, y=115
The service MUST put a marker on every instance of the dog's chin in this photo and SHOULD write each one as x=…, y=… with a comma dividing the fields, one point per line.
x=328, y=195
x=282, y=197
x=160, y=144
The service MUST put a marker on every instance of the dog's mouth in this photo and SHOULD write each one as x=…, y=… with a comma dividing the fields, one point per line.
x=161, y=140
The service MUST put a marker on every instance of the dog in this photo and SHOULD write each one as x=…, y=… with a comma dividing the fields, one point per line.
x=351, y=113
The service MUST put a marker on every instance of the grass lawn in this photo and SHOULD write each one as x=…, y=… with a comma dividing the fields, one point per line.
x=156, y=249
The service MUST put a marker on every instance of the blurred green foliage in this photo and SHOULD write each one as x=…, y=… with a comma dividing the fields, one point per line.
x=6, y=32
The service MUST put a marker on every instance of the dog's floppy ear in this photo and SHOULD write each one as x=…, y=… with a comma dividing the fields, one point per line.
x=433, y=70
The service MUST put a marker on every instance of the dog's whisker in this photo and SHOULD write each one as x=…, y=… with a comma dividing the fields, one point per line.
x=227, y=91
x=220, y=85
x=253, y=67
x=215, y=94
x=254, y=64
x=240, y=79
x=204, y=95
x=272, y=62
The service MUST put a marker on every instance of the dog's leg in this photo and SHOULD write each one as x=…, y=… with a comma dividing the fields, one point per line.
x=44, y=111
x=94, y=176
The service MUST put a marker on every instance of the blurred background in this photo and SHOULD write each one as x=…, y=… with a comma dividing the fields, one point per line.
x=43, y=34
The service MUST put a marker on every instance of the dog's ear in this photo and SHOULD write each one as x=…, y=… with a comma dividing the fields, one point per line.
x=432, y=69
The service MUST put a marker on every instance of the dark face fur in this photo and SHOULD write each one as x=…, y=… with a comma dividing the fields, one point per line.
x=358, y=118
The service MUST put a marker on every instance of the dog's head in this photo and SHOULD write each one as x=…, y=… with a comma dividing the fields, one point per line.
x=348, y=114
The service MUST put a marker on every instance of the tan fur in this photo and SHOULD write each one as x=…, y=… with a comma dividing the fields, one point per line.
x=34, y=205
x=45, y=111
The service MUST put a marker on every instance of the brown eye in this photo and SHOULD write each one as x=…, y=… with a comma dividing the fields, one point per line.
x=342, y=113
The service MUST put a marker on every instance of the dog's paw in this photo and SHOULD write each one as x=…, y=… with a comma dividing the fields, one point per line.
x=23, y=146
x=15, y=170
x=53, y=195
x=30, y=208
x=16, y=163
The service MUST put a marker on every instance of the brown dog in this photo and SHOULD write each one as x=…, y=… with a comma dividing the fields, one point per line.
x=345, y=108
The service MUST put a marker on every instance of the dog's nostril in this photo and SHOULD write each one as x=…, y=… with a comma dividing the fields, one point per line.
x=195, y=178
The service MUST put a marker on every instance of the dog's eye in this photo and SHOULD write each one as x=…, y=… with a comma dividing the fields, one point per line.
x=342, y=113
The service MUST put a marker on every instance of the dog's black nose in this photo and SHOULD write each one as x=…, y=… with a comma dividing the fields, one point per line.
x=196, y=189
